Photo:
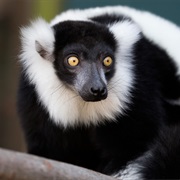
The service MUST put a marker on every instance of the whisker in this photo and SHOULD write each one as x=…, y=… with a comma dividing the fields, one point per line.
x=57, y=88
x=71, y=98
x=114, y=85
x=60, y=94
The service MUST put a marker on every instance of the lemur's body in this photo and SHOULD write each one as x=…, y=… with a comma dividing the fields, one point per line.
x=101, y=90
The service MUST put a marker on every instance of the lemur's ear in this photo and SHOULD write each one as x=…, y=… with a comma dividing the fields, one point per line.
x=43, y=51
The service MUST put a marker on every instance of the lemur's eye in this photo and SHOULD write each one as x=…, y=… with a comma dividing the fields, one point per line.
x=107, y=61
x=73, y=61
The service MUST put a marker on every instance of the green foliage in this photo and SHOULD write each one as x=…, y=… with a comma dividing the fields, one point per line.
x=47, y=8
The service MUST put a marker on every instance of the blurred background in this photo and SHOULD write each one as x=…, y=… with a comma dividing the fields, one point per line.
x=17, y=13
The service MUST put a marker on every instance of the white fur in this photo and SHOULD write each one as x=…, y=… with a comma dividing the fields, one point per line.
x=162, y=32
x=126, y=34
x=174, y=102
x=65, y=106
x=134, y=169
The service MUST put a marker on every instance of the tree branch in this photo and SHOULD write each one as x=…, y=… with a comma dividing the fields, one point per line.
x=21, y=166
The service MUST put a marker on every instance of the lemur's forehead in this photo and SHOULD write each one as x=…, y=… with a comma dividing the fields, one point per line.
x=84, y=28
x=68, y=32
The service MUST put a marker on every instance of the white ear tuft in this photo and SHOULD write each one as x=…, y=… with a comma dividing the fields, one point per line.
x=37, y=40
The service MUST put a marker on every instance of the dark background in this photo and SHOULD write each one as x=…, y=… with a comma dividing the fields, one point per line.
x=17, y=13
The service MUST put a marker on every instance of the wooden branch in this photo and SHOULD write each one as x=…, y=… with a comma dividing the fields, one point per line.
x=21, y=166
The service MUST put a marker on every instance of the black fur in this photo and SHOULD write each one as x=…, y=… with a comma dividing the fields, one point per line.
x=108, y=19
x=164, y=160
x=148, y=125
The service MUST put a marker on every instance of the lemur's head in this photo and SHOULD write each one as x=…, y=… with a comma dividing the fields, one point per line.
x=81, y=70
x=84, y=58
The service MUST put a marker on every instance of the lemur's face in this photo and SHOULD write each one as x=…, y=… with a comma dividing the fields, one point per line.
x=84, y=58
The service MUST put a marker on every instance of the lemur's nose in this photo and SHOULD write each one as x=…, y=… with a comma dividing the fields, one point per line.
x=99, y=92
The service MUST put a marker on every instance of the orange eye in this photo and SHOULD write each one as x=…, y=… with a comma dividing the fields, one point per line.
x=107, y=61
x=73, y=61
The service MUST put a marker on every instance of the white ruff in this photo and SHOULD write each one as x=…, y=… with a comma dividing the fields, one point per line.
x=65, y=106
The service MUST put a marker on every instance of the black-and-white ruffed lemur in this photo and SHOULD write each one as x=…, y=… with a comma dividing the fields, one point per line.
x=100, y=88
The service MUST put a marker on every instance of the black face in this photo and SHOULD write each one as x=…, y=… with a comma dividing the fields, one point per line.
x=84, y=58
